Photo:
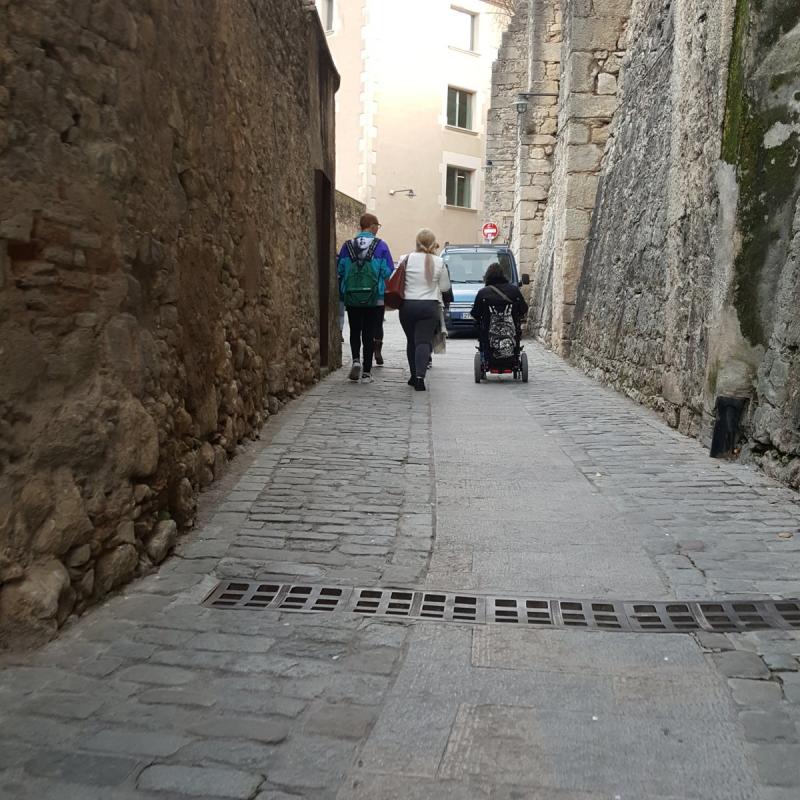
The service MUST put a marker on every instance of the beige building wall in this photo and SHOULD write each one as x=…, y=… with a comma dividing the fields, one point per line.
x=397, y=62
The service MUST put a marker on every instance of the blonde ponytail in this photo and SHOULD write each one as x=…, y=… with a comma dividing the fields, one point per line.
x=426, y=243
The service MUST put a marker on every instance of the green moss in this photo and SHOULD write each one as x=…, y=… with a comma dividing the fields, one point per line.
x=734, y=108
x=711, y=380
x=779, y=18
x=767, y=178
x=782, y=79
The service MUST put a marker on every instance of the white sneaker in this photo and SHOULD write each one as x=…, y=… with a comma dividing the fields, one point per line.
x=355, y=371
x=367, y=378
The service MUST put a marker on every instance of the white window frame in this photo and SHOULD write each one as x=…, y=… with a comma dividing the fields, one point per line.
x=473, y=29
x=470, y=174
x=472, y=99
x=327, y=14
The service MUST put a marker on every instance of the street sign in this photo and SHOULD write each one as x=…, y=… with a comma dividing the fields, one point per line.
x=490, y=231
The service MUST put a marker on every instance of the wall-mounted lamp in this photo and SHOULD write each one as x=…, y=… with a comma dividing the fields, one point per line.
x=521, y=103
x=410, y=193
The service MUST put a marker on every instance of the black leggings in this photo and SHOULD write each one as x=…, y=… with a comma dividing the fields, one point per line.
x=379, y=324
x=420, y=321
x=363, y=324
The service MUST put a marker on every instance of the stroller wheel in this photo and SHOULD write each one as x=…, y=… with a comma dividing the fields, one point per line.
x=523, y=363
x=478, y=368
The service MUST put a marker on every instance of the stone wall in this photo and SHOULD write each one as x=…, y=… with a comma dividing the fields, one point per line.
x=591, y=60
x=348, y=216
x=520, y=145
x=166, y=236
x=761, y=139
x=690, y=285
x=668, y=263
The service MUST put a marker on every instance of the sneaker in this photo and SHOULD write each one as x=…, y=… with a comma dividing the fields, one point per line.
x=419, y=384
x=412, y=380
x=355, y=370
x=366, y=378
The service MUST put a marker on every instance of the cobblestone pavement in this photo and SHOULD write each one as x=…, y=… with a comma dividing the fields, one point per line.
x=556, y=488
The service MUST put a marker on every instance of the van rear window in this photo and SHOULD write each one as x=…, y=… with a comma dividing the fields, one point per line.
x=471, y=267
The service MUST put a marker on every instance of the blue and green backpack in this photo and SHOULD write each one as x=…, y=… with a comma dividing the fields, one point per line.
x=361, y=280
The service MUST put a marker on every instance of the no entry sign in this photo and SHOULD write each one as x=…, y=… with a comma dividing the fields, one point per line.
x=490, y=231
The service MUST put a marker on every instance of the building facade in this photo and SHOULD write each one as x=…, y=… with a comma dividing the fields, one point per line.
x=411, y=110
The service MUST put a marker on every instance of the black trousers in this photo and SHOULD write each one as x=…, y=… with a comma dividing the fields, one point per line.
x=420, y=321
x=364, y=322
x=379, y=326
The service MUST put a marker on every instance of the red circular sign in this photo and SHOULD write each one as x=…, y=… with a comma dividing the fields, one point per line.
x=490, y=230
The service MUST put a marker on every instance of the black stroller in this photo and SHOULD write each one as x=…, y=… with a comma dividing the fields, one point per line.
x=500, y=351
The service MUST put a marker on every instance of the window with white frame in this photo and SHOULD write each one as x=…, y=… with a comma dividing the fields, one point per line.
x=462, y=26
x=459, y=187
x=326, y=14
x=459, y=108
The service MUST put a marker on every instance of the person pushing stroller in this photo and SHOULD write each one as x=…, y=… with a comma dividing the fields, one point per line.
x=499, y=309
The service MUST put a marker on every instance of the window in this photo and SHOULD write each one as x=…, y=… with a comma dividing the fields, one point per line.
x=462, y=29
x=459, y=108
x=459, y=187
x=471, y=267
x=326, y=14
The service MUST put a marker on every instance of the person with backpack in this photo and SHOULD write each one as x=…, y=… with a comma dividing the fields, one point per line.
x=363, y=266
x=499, y=309
x=427, y=280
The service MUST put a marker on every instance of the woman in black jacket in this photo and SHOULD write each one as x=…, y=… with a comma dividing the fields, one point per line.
x=498, y=293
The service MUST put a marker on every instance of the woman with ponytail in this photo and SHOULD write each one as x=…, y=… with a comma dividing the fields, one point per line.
x=426, y=281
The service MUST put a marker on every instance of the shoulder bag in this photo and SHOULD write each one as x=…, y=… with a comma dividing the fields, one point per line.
x=395, y=291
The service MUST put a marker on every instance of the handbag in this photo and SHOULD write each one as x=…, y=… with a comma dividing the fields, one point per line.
x=395, y=291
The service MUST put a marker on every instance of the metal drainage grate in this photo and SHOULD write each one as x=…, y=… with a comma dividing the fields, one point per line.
x=672, y=617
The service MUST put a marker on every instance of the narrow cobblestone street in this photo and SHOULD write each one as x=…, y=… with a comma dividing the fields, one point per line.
x=555, y=489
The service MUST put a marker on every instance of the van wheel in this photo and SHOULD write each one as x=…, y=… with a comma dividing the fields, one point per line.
x=524, y=367
x=478, y=368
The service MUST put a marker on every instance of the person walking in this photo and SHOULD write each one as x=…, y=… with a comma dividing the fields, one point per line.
x=363, y=266
x=420, y=314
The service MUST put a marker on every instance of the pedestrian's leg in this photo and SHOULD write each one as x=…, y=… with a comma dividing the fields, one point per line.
x=379, y=336
x=368, y=335
x=424, y=331
x=355, y=316
x=407, y=322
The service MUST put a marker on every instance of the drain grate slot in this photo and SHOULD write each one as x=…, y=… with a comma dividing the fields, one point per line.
x=738, y=615
x=520, y=610
x=661, y=617
x=729, y=616
x=789, y=613
x=590, y=614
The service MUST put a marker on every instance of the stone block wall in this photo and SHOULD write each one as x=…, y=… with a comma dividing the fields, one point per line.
x=761, y=141
x=348, y=216
x=702, y=276
x=520, y=146
x=166, y=277
x=591, y=60
x=668, y=265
